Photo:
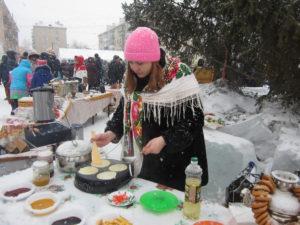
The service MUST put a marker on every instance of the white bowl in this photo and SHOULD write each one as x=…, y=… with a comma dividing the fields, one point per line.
x=11, y=187
x=65, y=213
x=42, y=195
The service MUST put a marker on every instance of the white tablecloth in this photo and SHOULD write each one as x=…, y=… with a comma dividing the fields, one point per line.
x=81, y=109
x=13, y=213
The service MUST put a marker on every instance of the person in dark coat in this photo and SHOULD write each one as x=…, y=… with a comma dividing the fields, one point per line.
x=4, y=70
x=92, y=74
x=162, y=129
x=8, y=63
x=116, y=70
x=100, y=69
x=54, y=65
x=42, y=74
x=67, y=69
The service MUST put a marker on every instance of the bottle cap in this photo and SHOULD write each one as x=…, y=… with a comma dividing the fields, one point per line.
x=194, y=159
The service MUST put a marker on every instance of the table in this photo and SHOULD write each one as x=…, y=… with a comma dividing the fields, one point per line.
x=12, y=213
x=79, y=110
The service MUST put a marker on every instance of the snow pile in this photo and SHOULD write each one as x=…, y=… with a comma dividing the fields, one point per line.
x=254, y=130
x=227, y=155
x=273, y=130
x=287, y=155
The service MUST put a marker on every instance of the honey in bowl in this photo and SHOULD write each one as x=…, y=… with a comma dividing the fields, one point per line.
x=43, y=203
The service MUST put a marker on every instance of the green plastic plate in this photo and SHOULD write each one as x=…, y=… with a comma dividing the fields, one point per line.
x=159, y=201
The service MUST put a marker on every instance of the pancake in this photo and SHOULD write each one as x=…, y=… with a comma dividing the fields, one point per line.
x=103, y=163
x=108, y=175
x=118, y=167
x=88, y=170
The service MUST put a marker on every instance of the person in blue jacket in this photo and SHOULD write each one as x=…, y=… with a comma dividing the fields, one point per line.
x=42, y=74
x=19, y=79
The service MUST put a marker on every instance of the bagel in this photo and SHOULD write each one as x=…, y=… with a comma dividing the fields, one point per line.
x=296, y=190
x=268, y=178
x=260, y=210
x=264, y=221
x=261, y=217
x=268, y=184
x=257, y=205
x=257, y=193
x=261, y=187
x=257, y=215
x=262, y=198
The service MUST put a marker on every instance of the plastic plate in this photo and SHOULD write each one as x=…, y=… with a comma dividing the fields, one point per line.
x=42, y=195
x=208, y=222
x=17, y=186
x=120, y=198
x=159, y=201
x=72, y=211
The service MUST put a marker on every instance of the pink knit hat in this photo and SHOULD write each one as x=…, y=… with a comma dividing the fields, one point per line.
x=142, y=45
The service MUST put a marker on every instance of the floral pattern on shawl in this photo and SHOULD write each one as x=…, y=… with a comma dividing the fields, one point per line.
x=133, y=115
x=177, y=69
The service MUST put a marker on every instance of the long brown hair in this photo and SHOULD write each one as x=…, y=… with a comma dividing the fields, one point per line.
x=156, y=81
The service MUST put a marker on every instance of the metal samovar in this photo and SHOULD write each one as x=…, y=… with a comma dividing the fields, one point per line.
x=284, y=206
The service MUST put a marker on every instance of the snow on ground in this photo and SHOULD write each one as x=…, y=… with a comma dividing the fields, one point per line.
x=4, y=106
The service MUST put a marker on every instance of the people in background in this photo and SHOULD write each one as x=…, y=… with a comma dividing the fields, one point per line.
x=99, y=66
x=8, y=63
x=54, y=64
x=80, y=72
x=92, y=73
x=24, y=55
x=67, y=69
x=20, y=79
x=33, y=56
x=116, y=71
x=42, y=74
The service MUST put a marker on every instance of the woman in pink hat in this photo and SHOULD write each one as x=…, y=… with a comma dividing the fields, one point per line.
x=160, y=117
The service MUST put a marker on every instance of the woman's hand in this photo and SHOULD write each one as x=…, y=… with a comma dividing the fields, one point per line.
x=103, y=138
x=154, y=146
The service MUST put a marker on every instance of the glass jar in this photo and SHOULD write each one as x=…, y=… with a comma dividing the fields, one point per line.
x=47, y=155
x=41, y=173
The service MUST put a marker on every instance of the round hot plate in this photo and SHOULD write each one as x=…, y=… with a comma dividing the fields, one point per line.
x=108, y=177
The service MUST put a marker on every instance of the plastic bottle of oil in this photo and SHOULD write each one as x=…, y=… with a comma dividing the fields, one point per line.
x=191, y=205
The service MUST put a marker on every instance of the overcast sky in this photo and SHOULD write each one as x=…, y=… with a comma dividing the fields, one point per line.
x=84, y=19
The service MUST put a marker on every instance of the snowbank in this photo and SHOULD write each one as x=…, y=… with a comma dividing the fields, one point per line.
x=227, y=156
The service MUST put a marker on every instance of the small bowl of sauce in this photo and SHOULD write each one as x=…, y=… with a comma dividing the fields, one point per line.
x=42, y=203
x=71, y=215
x=16, y=192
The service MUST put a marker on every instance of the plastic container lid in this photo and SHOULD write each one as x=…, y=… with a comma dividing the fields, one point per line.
x=40, y=164
x=159, y=201
x=70, y=150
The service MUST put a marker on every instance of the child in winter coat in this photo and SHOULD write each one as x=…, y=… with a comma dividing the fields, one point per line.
x=160, y=116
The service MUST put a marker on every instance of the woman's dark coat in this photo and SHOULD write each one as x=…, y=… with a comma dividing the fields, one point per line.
x=184, y=140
